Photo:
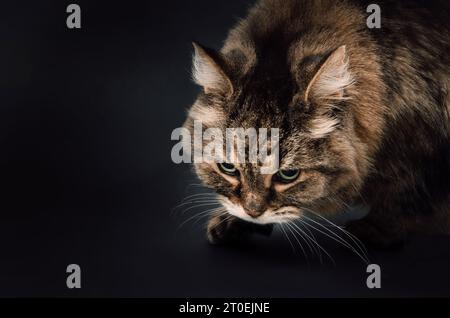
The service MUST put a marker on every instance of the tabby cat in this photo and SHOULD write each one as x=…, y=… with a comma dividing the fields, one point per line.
x=363, y=116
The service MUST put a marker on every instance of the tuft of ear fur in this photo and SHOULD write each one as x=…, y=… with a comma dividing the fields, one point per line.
x=332, y=78
x=208, y=115
x=322, y=126
x=208, y=72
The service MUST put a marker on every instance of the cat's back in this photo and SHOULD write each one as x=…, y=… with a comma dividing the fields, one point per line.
x=291, y=19
x=411, y=46
x=402, y=21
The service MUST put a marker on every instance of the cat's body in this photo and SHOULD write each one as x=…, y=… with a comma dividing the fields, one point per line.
x=363, y=114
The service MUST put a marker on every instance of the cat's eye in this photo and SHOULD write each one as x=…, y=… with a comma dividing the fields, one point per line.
x=228, y=168
x=288, y=175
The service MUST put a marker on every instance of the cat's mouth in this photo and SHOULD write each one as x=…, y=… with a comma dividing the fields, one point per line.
x=282, y=215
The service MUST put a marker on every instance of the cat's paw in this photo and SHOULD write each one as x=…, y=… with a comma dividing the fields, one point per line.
x=227, y=229
x=377, y=235
x=223, y=229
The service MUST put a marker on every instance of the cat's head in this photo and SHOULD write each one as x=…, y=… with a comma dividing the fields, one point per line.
x=309, y=99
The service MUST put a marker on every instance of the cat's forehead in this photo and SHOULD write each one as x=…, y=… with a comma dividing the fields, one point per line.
x=259, y=109
x=263, y=118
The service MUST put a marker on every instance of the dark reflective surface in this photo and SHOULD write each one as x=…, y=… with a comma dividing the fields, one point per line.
x=86, y=175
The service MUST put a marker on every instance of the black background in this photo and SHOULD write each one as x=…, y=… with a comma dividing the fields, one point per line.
x=86, y=175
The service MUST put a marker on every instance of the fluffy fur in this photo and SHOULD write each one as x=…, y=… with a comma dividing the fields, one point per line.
x=364, y=114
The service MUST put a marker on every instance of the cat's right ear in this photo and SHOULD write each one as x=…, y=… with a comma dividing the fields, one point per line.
x=332, y=78
x=208, y=71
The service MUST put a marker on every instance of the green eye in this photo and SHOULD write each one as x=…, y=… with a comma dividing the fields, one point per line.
x=228, y=168
x=288, y=175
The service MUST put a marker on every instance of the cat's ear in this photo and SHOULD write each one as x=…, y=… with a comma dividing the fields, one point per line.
x=208, y=71
x=332, y=78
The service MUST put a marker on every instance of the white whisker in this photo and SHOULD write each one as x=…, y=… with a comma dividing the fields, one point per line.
x=199, y=206
x=334, y=237
x=298, y=241
x=319, y=247
x=312, y=248
x=199, y=215
x=290, y=242
x=356, y=240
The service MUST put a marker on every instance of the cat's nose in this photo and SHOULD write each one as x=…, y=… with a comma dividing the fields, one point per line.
x=254, y=206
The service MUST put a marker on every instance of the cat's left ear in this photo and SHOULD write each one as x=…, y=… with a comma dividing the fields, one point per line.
x=208, y=71
x=332, y=78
